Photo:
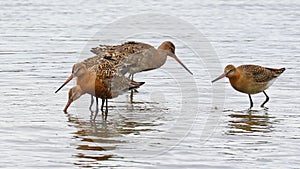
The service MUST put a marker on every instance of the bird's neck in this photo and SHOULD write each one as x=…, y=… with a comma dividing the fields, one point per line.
x=160, y=58
x=86, y=82
x=235, y=78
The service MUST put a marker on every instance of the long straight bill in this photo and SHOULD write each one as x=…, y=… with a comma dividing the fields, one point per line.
x=177, y=59
x=218, y=78
x=66, y=82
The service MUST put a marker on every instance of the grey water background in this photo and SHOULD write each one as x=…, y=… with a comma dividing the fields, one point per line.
x=40, y=41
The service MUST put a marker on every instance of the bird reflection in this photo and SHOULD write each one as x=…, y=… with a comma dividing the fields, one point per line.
x=249, y=121
x=97, y=141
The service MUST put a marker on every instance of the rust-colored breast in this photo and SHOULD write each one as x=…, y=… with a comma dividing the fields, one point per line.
x=109, y=81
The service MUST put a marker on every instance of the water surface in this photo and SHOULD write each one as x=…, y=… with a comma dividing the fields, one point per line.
x=40, y=41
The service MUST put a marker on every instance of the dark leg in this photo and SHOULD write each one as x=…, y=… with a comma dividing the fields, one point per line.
x=97, y=109
x=131, y=96
x=132, y=80
x=103, y=100
x=92, y=102
x=131, y=91
x=106, y=109
x=267, y=99
x=251, y=102
x=97, y=105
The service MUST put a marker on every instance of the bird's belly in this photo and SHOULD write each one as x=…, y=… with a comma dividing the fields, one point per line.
x=249, y=87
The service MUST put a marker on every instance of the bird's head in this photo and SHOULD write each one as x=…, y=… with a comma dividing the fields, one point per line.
x=229, y=71
x=169, y=48
x=74, y=94
x=78, y=70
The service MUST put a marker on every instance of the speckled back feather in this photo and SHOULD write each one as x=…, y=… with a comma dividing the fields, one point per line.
x=119, y=52
x=108, y=73
x=90, y=62
x=259, y=73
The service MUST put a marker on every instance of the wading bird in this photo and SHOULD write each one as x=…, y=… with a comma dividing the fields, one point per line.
x=251, y=79
x=102, y=81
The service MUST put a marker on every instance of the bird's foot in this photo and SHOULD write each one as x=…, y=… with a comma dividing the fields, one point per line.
x=265, y=108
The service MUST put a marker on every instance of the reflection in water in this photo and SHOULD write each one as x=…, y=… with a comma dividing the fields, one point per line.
x=91, y=148
x=96, y=141
x=247, y=122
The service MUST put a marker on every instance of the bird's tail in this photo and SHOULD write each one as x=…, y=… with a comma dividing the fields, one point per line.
x=135, y=84
x=282, y=70
x=277, y=72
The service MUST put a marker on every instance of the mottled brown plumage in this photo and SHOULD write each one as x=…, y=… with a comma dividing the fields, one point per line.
x=251, y=79
x=134, y=57
x=114, y=54
x=90, y=62
x=102, y=81
x=119, y=52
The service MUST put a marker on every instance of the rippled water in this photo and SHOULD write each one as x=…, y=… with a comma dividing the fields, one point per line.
x=167, y=125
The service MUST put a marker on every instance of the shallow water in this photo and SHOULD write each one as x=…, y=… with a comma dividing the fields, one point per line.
x=172, y=122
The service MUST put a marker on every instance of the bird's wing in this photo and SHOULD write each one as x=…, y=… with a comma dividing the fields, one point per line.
x=258, y=73
x=137, y=46
x=101, y=49
x=90, y=62
x=139, y=61
x=119, y=52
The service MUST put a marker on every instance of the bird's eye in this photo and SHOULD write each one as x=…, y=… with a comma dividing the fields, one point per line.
x=78, y=69
x=230, y=71
x=74, y=94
